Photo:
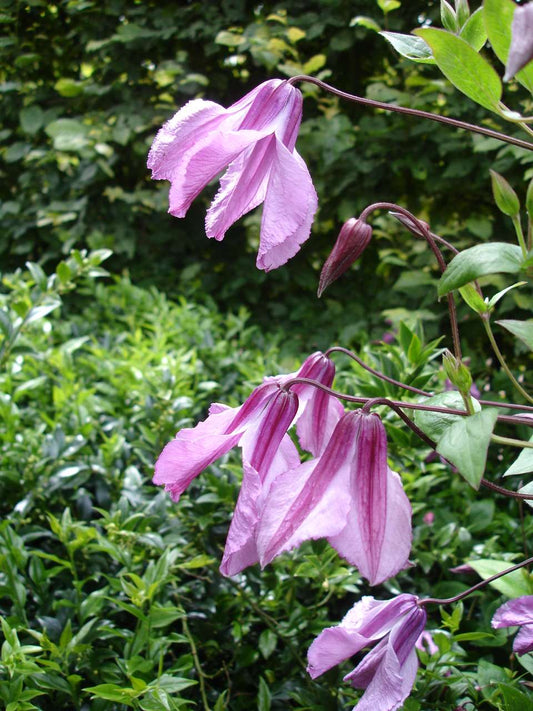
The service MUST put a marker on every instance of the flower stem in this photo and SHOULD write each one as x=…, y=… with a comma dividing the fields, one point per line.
x=520, y=235
x=501, y=359
x=511, y=442
x=425, y=232
x=414, y=112
x=451, y=600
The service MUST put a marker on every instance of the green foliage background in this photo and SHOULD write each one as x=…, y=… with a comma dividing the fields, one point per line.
x=109, y=592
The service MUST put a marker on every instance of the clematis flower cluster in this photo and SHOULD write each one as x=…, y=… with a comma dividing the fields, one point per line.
x=345, y=492
x=388, y=671
x=255, y=139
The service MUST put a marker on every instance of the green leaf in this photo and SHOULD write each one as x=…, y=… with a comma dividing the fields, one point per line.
x=527, y=489
x=112, y=692
x=474, y=31
x=363, y=21
x=521, y=329
x=264, y=698
x=473, y=298
x=267, y=642
x=464, y=67
x=389, y=5
x=523, y=464
x=466, y=442
x=448, y=17
x=514, y=584
x=483, y=259
x=500, y=294
x=410, y=47
x=31, y=119
x=498, y=16
x=435, y=424
x=68, y=134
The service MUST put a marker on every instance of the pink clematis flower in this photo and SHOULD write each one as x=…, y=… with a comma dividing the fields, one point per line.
x=388, y=671
x=348, y=495
x=521, y=49
x=259, y=427
x=517, y=613
x=255, y=139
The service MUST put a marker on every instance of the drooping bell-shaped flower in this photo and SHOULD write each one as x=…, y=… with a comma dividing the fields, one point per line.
x=517, y=613
x=388, y=671
x=521, y=49
x=255, y=139
x=348, y=495
x=352, y=241
x=259, y=428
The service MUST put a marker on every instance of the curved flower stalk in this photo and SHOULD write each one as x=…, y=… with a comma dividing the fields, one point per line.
x=259, y=427
x=255, y=139
x=517, y=613
x=347, y=495
x=388, y=671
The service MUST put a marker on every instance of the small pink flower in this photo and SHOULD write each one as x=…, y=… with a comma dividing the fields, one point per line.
x=428, y=518
x=426, y=643
x=388, y=671
x=255, y=139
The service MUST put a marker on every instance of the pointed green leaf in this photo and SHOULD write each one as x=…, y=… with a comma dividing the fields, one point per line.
x=521, y=329
x=410, y=47
x=498, y=16
x=464, y=67
x=474, y=31
x=466, y=442
x=514, y=584
x=448, y=17
x=500, y=294
x=473, y=298
x=483, y=259
x=523, y=464
x=435, y=424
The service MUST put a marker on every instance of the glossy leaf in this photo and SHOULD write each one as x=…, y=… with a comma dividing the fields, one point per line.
x=523, y=464
x=464, y=67
x=483, y=259
x=513, y=584
x=410, y=47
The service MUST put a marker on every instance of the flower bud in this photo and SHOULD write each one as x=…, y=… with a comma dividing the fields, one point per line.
x=505, y=197
x=457, y=372
x=352, y=241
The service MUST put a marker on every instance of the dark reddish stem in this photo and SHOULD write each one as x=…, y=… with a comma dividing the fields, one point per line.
x=451, y=600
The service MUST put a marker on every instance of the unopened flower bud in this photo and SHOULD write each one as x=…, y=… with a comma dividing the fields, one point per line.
x=352, y=241
x=457, y=372
x=505, y=197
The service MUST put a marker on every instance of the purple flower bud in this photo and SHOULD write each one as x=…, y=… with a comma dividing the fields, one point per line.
x=352, y=241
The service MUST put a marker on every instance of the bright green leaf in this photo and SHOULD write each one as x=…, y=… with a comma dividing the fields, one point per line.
x=523, y=464
x=474, y=31
x=514, y=584
x=435, y=424
x=466, y=442
x=411, y=47
x=31, y=119
x=483, y=259
x=498, y=16
x=464, y=67
x=521, y=329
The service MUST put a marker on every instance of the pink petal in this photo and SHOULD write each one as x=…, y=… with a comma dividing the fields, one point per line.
x=391, y=684
x=289, y=208
x=193, y=450
x=204, y=163
x=185, y=130
x=332, y=646
x=393, y=554
x=521, y=49
x=523, y=642
x=242, y=188
x=241, y=550
x=518, y=611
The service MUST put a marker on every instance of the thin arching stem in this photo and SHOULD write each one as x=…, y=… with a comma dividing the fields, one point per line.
x=414, y=112
x=425, y=232
x=451, y=600
x=381, y=376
